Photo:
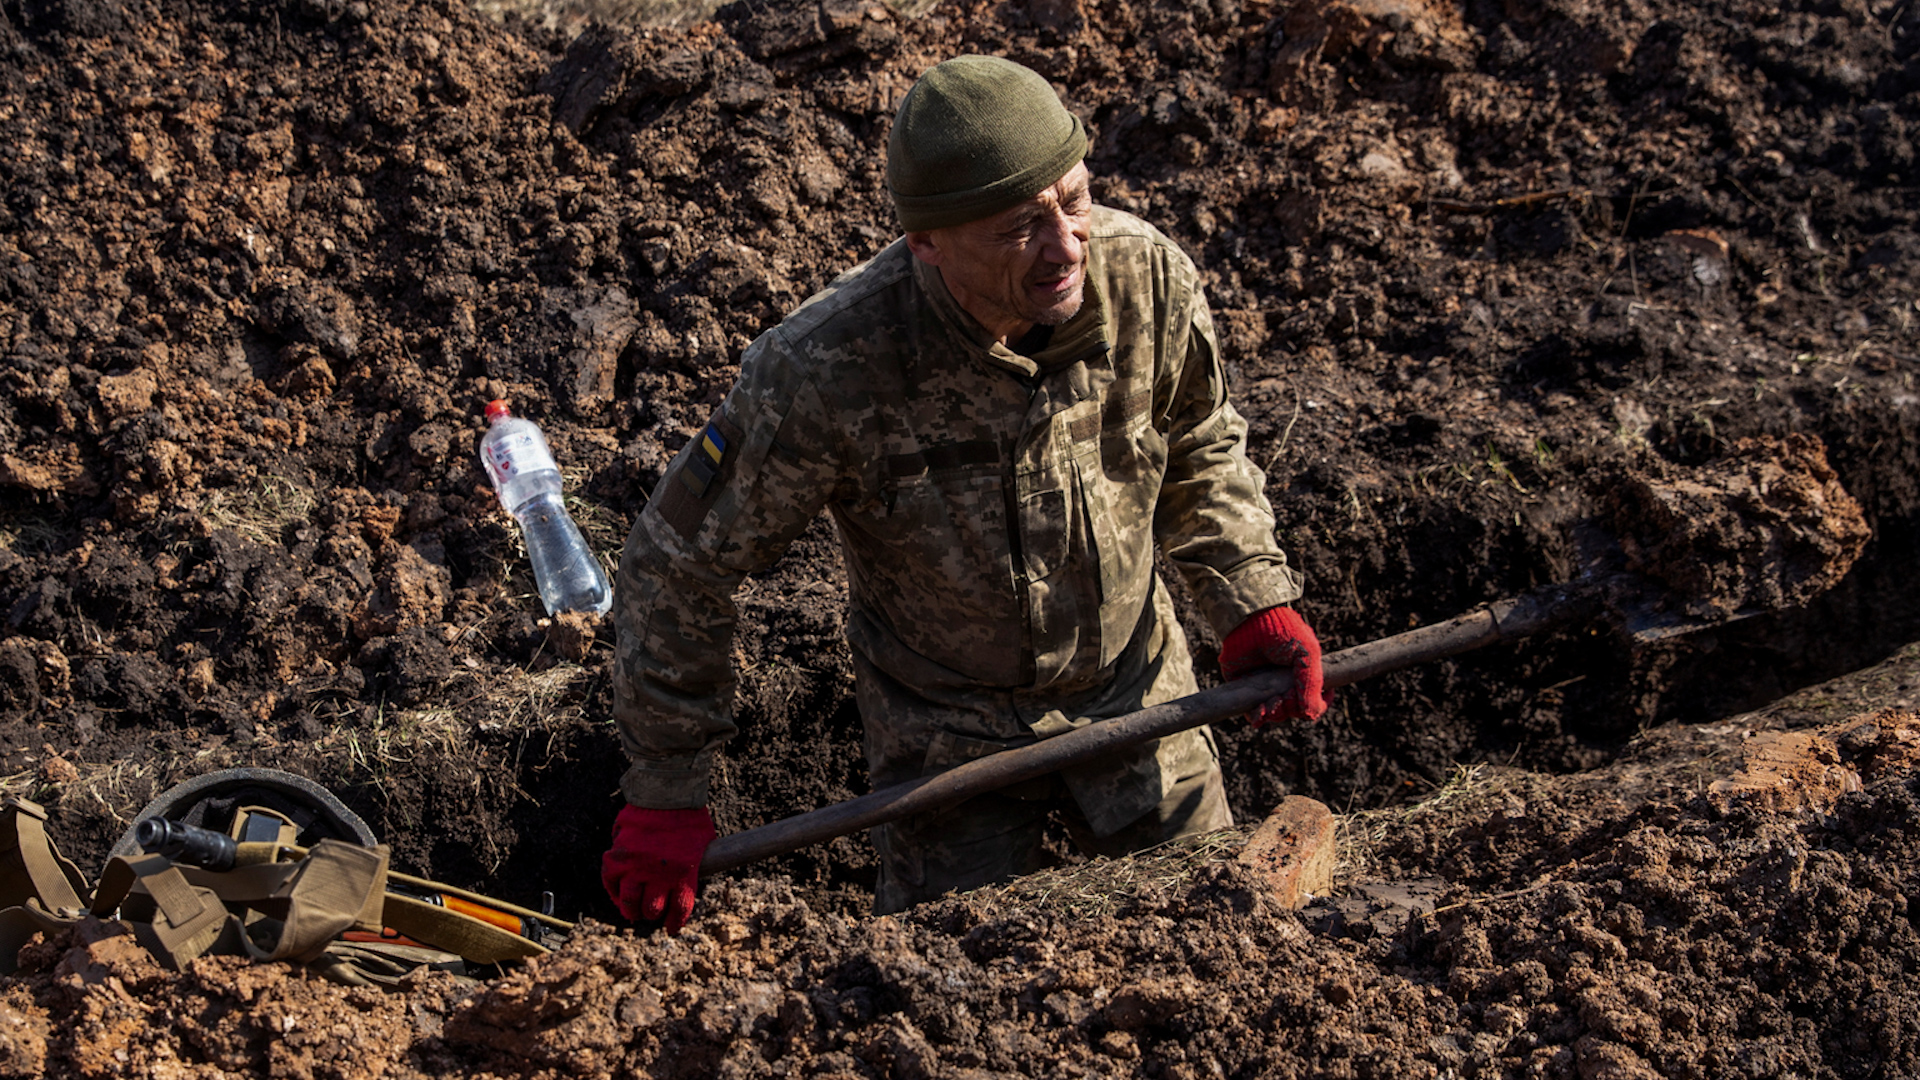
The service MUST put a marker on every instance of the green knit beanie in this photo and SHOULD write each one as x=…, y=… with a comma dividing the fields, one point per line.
x=976, y=135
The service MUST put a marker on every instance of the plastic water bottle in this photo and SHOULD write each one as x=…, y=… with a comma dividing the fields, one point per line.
x=524, y=475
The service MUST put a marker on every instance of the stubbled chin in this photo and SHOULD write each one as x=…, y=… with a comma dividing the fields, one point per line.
x=1061, y=310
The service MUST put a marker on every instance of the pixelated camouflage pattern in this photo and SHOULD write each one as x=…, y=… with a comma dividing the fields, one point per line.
x=998, y=836
x=998, y=515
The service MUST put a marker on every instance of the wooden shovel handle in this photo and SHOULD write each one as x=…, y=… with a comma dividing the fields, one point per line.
x=1502, y=621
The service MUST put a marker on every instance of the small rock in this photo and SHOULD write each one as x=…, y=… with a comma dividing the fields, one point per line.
x=1293, y=849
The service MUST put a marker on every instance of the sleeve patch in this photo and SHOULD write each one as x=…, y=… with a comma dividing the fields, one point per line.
x=685, y=497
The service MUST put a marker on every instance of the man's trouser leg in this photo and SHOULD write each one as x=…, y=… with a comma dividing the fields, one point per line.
x=987, y=839
x=1195, y=803
x=994, y=838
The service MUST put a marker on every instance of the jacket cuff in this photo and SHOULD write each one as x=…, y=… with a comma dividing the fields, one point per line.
x=1228, y=602
x=658, y=787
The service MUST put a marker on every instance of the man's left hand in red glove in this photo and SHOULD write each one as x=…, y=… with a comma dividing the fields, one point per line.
x=1278, y=637
x=652, y=871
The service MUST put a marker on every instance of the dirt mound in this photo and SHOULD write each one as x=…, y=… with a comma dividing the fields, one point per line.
x=1669, y=927
x=1766, y=525
x=261, y=266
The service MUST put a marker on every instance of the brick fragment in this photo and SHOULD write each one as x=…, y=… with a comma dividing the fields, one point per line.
x=1293, y=849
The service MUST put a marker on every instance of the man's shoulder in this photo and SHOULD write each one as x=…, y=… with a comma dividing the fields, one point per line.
x=836, y=325
x=1128, y=246
x=1111, y=223
x=857, y=296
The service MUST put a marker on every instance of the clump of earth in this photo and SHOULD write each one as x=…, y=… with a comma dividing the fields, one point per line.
x=1502, y=290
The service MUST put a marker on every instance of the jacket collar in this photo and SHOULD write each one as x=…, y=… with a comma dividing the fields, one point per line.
x=1080, y=338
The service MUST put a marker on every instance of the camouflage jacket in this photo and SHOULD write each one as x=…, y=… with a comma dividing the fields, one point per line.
x=997, y=512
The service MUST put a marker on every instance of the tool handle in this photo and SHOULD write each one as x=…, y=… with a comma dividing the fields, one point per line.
x=1502, y=621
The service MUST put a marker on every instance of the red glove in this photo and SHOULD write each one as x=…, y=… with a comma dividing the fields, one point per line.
x=1277, y=637
x=653, y=868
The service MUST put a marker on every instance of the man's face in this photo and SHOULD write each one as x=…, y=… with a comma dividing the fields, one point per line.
x=1023, y=266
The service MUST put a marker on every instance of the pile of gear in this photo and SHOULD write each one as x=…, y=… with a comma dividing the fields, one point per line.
x=265, y=864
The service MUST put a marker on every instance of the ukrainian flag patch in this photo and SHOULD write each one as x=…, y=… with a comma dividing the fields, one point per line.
x=703, y=465
x=685, y=497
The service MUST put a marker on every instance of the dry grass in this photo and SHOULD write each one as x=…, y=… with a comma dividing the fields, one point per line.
x=603, y=527
x=536, y=700
x=1102, y=886
x=396, y=738
x=261, y=512
x=115, y=790
x=1361, y=832
x=370, y=743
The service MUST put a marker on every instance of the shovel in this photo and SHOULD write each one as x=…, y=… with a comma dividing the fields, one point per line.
x=1765, y=526
x=1506, y=620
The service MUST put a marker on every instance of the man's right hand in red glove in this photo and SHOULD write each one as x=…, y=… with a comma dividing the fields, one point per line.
x=1278, y=637
x=653, y=869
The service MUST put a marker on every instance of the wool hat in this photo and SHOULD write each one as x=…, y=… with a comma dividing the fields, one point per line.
x=976, y=135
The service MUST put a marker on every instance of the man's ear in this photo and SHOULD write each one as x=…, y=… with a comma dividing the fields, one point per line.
x=925, y=248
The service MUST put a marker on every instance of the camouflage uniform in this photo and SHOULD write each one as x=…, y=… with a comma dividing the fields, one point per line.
x=998, y=515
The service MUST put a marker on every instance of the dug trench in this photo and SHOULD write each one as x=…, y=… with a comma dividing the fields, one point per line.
x=1489, y=282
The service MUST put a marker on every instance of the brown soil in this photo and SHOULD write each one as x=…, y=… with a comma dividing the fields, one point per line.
x=1502, y=289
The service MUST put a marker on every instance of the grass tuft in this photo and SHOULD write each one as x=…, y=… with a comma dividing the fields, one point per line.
x=1360, y=833
x=1102, y=886
x=26, y=529
x=262, y=512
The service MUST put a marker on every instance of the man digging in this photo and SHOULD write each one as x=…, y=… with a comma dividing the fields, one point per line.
x=1004, y=411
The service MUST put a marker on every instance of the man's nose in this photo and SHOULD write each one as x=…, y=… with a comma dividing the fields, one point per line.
x=1064, y=240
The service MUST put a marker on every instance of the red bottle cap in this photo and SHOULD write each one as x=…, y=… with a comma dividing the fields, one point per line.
x=497, y=409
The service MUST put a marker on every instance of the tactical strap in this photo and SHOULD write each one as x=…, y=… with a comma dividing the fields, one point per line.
x=334, y=887
x=278, y=902
x=175, y=920
x=31, y=868
x=381, y=963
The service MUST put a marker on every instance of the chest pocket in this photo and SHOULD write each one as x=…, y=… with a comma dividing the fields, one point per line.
x=935, y=537
x=1120, y=471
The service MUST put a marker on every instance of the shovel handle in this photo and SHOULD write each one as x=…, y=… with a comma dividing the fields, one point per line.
x=1502, y=621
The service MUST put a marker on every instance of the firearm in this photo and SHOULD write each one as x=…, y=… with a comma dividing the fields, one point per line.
x=511, y=922
x=184, y=843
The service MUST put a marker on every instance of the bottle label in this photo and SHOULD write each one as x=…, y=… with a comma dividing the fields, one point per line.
x=518, y=452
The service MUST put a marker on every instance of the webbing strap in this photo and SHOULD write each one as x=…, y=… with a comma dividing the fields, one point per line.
x=270, y=885
x=186, y=921
x=253, y=884
x=381, y=963
x=117, y=880
x=174, y=945
x=31, y=868
x=328, y=894
x=480, y=942
x=180, y=903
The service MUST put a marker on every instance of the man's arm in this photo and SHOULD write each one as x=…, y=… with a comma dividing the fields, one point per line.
x=730, y=503
x=1213, y=519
